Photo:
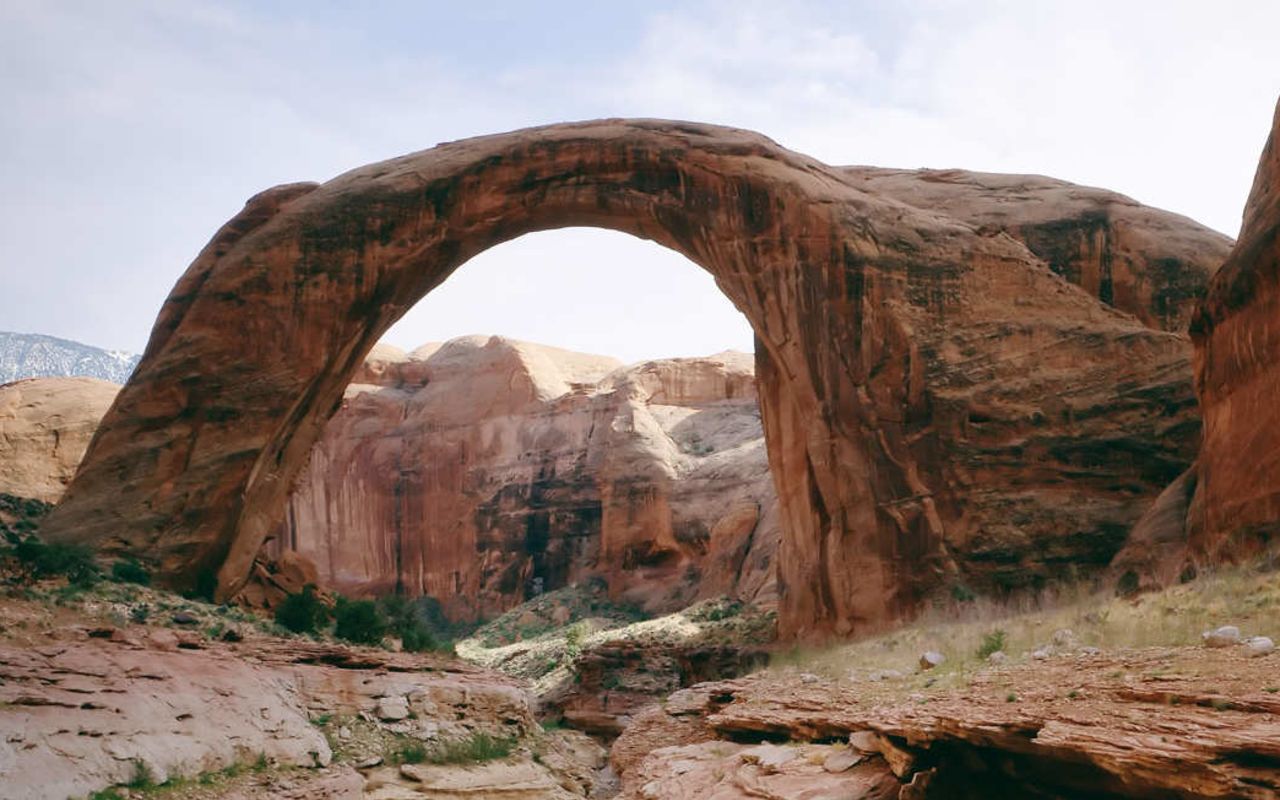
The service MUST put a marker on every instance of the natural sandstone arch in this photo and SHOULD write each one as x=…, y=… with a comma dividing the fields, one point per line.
x=864, y=309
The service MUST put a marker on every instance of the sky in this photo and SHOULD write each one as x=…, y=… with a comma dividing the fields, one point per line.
x=131, y=130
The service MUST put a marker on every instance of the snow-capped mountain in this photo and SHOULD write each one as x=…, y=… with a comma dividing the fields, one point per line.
x=33, y=355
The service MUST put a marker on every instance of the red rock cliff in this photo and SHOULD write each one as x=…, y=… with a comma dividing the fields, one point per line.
x=485, y=470
x=1235, y=507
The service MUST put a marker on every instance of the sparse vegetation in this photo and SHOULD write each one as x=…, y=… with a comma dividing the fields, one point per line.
x=1247, y=596
x=475, y=748
x=993, y=642
x=573, y=636
x=358, y=621
x=409, y=751
x=302, y=612
x=57, y=560
x=130, y=571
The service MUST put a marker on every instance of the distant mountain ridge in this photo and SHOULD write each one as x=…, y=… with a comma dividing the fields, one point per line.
x=34, y=355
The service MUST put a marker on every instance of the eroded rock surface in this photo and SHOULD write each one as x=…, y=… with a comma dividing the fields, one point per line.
x=486, y=470
x=81, y=707
x=936, y=399
x=45, y=427
x=1160, y=722
x=1148, y=262
x=1235, y=510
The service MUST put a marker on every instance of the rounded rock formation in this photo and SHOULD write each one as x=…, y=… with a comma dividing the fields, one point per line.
x=926, y=385
x=45, y=426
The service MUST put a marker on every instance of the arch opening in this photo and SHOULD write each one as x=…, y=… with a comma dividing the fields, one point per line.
x=484, y=470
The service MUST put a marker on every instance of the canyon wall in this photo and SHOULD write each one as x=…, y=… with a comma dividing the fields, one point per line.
x=1234, y=510
x=1226, y=507
x=487, y=470
x=936, y=398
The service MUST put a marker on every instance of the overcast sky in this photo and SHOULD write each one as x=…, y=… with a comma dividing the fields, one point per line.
x=131, y=130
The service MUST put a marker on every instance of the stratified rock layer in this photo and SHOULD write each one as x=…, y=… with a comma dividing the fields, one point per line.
x=1148, y=262
x=1153, y=723
x=487, y=470
x=45, y=426
x=927, y=386
x=1235, y=509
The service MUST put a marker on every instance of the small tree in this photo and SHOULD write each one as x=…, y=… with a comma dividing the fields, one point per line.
x=359, y=621
x=302, y=612
x=130, y=571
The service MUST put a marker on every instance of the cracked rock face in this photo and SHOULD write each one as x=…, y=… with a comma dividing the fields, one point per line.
x=1158, y=722
x=79, y=712
x=936, y=398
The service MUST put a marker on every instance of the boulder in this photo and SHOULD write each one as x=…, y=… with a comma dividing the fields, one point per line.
x=1259, y=646
x=1226, y=636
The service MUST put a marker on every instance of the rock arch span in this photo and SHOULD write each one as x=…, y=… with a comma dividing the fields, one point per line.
x=873, y=322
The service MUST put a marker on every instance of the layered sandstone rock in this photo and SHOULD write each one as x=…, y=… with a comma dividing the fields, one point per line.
x=45, y=426
x=1156, y=722
x=1227, y=506
x=1148, y=262
x=87, y=703
x=1235, y=509
x=486, y=470
x=936, y=399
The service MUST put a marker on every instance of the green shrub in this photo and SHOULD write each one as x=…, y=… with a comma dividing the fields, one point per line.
x=72, y=561
x=409, y=752
x=992, y=642
x=1128, y=584
x=573, y=636
x=130, y=571
x=302, y=612
x=477, y=747
x=142, y=777
x=403, y=619
x=359, y=621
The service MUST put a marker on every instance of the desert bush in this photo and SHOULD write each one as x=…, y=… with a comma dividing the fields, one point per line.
x=302, y=612
x=477, y=747
x=993, y=642
x=404, y=620
x=130, y=571
x=408, y=752
x=72, y=561
x=573, y=637
x=359, y=621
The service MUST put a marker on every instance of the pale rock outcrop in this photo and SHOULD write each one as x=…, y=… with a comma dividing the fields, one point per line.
x=45, y=426
x=485, y=470
x=81, y=710
x=1153, y=722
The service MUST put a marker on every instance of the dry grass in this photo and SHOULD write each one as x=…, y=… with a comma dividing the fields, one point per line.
x=1248, y=597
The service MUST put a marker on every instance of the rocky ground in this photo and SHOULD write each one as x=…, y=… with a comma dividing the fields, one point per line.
x=101, y=699
x=121, y=690
x=592, y=664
